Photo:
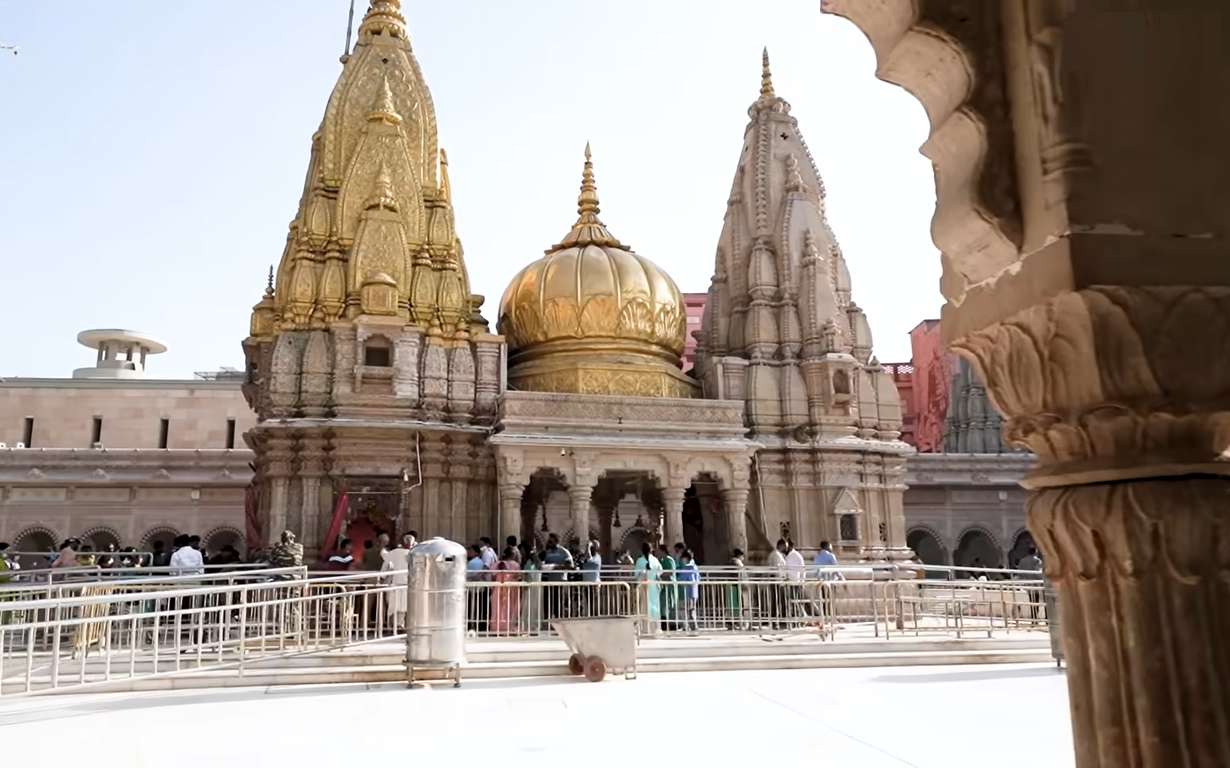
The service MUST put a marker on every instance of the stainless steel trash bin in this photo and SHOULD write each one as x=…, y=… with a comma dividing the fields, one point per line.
x=436, y=609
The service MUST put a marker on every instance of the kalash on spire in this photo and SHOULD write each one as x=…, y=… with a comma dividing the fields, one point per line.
x=367, y=359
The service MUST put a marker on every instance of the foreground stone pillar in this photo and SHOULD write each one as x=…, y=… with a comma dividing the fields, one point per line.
x=1124, y=395
x=1089, y=284
x=672, y=502
x=579, y=498
x=735, y=502
x=510, y=511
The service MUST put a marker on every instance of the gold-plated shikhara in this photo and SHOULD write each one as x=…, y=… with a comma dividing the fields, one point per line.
x=593, y=317
x=374, y=233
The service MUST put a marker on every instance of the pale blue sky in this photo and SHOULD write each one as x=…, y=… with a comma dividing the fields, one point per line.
x=152, y=153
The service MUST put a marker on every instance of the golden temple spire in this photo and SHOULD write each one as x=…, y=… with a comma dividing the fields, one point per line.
x=766, y=76
x=589, y=229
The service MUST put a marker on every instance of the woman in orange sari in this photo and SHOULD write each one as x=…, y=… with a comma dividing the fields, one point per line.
x=505, y=597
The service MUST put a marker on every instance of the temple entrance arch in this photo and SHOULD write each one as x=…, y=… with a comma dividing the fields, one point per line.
x=1021, y=544
x=976, y=548
x=927, y=546
x=544, y=508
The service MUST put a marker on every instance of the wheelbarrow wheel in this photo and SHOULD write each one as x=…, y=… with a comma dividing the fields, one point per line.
x=595, y=670
x=576, y=664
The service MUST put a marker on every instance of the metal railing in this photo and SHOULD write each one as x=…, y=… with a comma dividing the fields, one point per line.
x=83, y=634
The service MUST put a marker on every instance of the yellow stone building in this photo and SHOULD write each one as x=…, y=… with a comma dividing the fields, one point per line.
x=384, y=400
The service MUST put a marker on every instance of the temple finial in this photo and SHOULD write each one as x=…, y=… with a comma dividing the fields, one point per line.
x=766, y=75
x=349, y=33
x=589, y=229
x=587, y=201
x=269, y=282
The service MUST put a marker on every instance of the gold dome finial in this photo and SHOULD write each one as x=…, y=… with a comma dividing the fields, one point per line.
x=587, y=201
x=269, y=284
x=589, y=229
x=766, y=76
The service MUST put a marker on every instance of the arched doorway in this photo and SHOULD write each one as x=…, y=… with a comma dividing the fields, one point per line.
x=976, y=548
x=1021, y=544
x=225, y=536
x=927, y=546
x=32, y=543
x=102, y=539
x=162, y=533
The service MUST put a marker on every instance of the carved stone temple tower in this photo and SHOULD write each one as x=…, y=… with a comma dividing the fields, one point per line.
x=782, y=334
x=372, y=373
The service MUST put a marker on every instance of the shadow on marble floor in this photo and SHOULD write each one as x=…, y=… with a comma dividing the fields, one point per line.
x=988, y=673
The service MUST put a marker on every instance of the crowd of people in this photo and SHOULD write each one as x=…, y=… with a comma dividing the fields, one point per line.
x=185, y=556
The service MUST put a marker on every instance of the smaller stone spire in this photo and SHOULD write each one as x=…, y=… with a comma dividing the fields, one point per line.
x=588, y=229
x=766, y=76
x=382, y=197
x=446, y=187
x=383, y=110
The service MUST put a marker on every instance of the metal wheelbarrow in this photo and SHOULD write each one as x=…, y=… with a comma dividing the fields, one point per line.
x=599, y=646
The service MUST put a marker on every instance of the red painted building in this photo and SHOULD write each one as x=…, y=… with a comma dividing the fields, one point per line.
x=695, y=305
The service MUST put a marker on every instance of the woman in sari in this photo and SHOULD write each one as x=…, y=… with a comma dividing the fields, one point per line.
x=646, y=573
x=531, y=600
x=505, y=598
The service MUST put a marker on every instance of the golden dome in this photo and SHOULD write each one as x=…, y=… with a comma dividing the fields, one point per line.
x=592, y=317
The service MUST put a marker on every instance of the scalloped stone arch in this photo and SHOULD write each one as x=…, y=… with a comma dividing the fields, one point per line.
x=167, y=533
x=976, y=528
x=976, y=235
x=228, y=530
x=941, y=548
x=88, y=537
x=964, y=552
x=34, y=530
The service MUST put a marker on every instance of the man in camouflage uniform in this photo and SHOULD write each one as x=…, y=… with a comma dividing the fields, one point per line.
x=287, y=553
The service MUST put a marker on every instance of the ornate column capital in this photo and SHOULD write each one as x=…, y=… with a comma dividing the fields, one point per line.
x=1113, y=383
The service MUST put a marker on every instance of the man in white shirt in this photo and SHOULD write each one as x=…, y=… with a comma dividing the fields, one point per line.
x=796, y=569
x=487, y=553
x=779, y=603
x=186, y=560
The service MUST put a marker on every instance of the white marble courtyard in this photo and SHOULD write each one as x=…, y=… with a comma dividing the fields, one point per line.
x=1009, y=716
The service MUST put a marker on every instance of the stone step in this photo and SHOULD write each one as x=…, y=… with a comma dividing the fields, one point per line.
x=317, y=674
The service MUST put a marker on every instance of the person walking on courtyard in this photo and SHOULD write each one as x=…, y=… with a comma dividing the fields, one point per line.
x=506, y=595
x=646, y=572
x=670, y=595
x=796, y=571
x=689, y=577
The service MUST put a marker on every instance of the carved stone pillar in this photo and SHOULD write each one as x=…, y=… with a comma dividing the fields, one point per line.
x=606, y=518
x=510, y=510
x=1124, y=395
x=735, y=502
x=1088, y=284
x=672, y=502
x=578, y=499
